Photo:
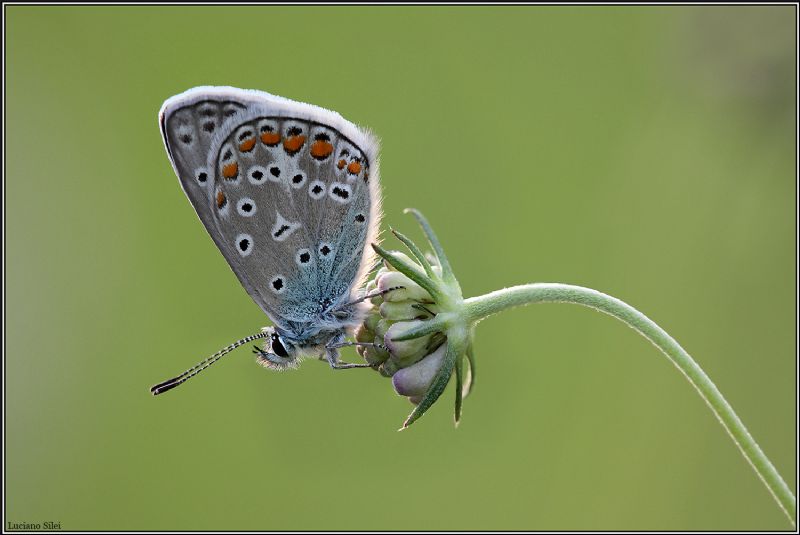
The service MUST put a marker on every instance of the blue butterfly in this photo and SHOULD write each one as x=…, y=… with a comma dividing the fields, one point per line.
x=289, y=193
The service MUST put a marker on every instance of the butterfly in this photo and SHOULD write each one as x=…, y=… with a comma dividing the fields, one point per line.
x=289, y=192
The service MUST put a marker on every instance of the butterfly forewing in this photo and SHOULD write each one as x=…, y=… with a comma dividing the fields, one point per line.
x=190, y=122
x=188, y=126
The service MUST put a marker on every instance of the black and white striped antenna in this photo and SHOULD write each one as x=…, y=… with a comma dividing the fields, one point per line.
x=169, y=384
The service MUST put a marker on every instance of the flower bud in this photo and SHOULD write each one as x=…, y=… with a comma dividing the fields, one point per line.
x=406, y=288
x=414, y=380
x=403, y=310
x=407, y=352
x=371, y=322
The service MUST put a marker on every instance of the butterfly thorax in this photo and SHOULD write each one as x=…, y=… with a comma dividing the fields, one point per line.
x=332, y=322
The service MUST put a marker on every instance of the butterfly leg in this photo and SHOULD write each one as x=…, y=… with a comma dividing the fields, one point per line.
x=332, y=355
x=367, y=344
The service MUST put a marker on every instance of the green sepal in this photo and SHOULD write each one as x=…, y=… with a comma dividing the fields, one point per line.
x=437, y=386
x=459, y=386
x=447, y=271
x=417, y=253
x=471, y=381
x=426, y=327
x=409, y=271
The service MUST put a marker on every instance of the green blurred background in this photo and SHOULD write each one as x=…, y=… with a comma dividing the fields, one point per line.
x=647, y=152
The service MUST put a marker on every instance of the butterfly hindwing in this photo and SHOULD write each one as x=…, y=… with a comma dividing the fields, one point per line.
x=294, y=219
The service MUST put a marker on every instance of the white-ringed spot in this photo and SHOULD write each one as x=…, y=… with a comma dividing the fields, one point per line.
x=316, y=189
x=244, y=244
x=274, y=173
x=303, y=257
x=246, y=207
x=277, y=284
x=201, y=175
x=257, y=175
x=297, y=180
x=340, y=192
x=325, y=250
x=283, y=228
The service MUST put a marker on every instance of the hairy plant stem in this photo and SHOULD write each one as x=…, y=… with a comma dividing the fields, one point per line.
x=478, y=308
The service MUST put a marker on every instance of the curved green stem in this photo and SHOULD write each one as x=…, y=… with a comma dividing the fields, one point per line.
x=478, y=308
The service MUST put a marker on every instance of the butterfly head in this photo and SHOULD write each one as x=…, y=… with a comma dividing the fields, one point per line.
x=278, y=353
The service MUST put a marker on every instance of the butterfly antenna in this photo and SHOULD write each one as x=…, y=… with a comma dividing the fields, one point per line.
x=169, y=384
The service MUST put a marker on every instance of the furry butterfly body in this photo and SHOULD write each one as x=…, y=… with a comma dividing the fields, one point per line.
x=289, y=193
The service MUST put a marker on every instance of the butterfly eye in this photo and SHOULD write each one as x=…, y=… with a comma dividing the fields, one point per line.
x=277, y=347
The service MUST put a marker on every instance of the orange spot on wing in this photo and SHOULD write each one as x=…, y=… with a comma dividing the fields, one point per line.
x=292, y=144
x=341, y=163
x=270, y=138
x=321, y=149
x=221, y=200
x=230, y=171
x=247, y=145
x=354, y=168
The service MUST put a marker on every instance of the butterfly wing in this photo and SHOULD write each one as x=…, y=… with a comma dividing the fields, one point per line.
x=188, y=123
x=289, y=195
